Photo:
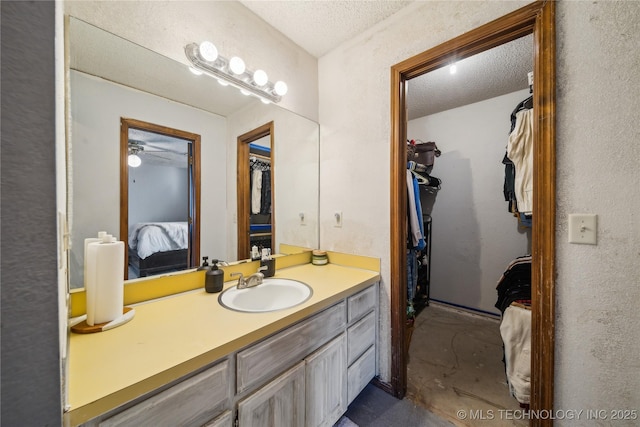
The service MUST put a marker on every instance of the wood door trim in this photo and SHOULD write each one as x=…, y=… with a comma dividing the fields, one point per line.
x=125, y=125
x=537, y=18
x=243, y=186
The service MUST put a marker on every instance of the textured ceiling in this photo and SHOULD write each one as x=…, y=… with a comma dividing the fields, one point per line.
x=319, y=26
x=492, y=73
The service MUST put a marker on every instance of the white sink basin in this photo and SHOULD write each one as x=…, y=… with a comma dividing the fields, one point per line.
x=271, y=295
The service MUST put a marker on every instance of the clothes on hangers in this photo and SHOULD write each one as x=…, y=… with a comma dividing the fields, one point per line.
x=520, y=152
x=414, y=212
x=265, y=194
x=256, y=191
x=521, y=139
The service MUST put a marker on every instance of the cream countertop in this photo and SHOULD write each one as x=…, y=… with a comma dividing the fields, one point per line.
x=174, y=336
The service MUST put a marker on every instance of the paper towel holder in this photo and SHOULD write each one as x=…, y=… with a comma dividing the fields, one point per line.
x=82, y=327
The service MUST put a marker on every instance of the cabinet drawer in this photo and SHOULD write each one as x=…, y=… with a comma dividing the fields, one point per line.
x=272, y=356
x=361, y=303
x=360, y=337
x=360, y=373
x=192, y=402
x=223, y=420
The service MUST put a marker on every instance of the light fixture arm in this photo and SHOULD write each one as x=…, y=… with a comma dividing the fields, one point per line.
x=219, y=68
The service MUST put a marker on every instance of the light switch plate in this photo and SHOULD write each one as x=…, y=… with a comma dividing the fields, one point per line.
x=337, y=216
x=583, y=229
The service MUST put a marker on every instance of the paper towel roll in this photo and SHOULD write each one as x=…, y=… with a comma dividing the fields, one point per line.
x=101, y=234
x=105, y=281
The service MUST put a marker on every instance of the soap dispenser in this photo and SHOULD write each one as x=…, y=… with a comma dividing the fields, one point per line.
x=214, y=278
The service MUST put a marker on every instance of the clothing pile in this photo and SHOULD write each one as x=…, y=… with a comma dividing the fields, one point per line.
x=514, y=302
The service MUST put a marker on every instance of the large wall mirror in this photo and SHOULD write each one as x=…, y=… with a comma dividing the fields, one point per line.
x=112, y=79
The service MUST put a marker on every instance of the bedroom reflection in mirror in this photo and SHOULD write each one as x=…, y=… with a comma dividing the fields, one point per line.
x=159, y=198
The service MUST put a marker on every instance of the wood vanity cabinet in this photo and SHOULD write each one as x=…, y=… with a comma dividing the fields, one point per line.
x=304, y=375
x=193, y=401
x=332, y=376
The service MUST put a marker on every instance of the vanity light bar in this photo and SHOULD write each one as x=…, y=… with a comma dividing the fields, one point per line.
x=220, y=68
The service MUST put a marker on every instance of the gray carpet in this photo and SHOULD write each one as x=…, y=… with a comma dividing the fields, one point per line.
x=374, y=407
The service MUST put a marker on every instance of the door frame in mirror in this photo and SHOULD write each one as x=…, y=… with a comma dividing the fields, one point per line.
x=537, y=18
x=244, y=187
x=194, y=208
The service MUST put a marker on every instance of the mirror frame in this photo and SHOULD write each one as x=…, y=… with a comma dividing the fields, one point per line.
x=537, y=18
x=194, y=221
x=244, y=187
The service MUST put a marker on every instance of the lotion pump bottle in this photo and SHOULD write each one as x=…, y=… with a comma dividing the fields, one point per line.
x=214, y=278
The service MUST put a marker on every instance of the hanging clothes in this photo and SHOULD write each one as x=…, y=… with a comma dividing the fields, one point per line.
x=520, y=152
x=256, y=191
x=265, y=196
x=508, y=189
x=415, y=212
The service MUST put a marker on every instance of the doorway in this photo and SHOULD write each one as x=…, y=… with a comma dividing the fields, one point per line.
x=255, y=186
x=537, y=19
x=159, y=198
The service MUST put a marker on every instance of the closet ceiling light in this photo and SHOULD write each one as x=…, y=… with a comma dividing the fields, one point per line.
x=453, y=69
x=204, y=57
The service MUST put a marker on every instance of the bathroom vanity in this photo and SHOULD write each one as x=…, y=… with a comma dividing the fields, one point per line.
x=186, y=360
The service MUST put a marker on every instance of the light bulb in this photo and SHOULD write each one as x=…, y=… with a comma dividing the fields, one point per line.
x=208, y=51
x=260, y=77
x=195, y=71
x=134, y=160
x=280, y=88
x=236, y=65
x=453, y=69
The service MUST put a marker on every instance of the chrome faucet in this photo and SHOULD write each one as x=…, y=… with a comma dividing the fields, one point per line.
x=254, y=280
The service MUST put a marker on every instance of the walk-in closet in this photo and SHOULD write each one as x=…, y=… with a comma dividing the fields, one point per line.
x=469, y=192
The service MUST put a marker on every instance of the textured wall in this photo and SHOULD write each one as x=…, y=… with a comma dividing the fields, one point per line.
x=474, y=236
x=598, y=98
x=598, y=140
x=167, y=26
x=355, y=128
x=30, y=352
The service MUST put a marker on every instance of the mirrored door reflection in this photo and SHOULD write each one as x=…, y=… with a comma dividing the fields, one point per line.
x=256, y=210
x=160, y=204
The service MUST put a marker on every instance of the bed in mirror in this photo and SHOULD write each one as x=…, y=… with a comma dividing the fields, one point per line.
x=112, y=79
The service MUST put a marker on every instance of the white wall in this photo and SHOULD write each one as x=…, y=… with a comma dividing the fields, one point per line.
x=158, y=193
x=296, y=190
x=167, y=27
x=96, y=108
x=474, y=237
x=598, y=152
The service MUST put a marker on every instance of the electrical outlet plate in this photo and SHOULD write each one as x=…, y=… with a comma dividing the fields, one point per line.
x=337, y=218
x=583, y=229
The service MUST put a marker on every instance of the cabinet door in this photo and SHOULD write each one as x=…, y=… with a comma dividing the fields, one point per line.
x=280, y=403
x=326, y=387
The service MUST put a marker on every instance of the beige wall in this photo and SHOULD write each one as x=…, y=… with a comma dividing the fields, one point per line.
x=355, y=128
x=598, y=152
